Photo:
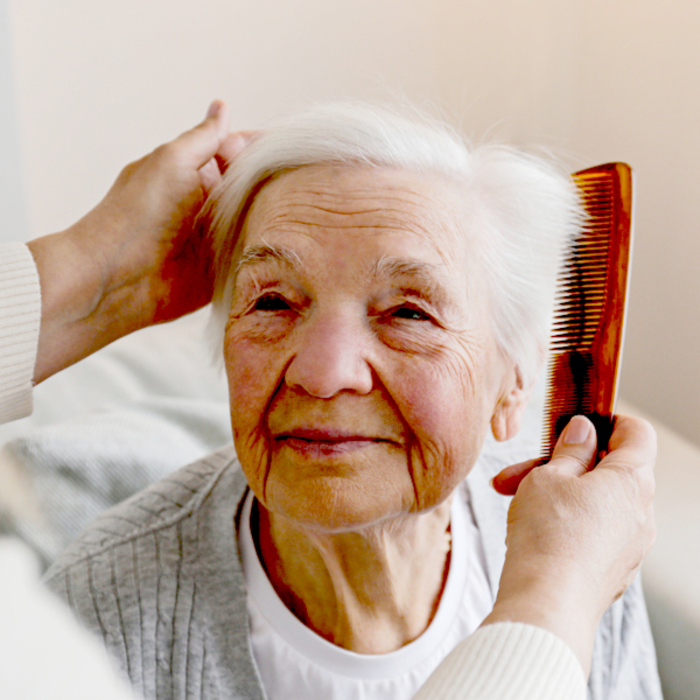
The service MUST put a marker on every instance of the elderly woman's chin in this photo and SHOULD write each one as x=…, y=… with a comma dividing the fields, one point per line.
x=343, y=488
x=348, y=463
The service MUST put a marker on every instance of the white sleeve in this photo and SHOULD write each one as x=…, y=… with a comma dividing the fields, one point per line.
x=20, y=317
x=44, y=652
x=508, y=661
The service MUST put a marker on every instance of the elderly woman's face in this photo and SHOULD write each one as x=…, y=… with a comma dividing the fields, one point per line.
x=362, y=369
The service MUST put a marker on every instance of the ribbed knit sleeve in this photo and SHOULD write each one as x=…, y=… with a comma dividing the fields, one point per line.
x=508, y=661
x=20, y=316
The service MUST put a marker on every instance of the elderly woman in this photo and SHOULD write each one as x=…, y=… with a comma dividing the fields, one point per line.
x=382, y=296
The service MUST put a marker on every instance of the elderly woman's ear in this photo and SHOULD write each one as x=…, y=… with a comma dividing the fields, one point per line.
x=508, y=414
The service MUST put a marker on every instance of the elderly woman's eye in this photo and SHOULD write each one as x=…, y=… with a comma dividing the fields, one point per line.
x=271, y=302
x=411, y=313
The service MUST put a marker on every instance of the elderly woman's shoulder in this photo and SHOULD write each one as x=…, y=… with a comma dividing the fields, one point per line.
x=164, y=505
x=158, y=579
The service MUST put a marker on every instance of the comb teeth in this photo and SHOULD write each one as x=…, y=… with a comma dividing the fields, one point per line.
x=568, y=372
x=582, y=282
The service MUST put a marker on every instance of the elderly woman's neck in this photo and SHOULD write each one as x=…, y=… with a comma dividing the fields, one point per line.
x=370, y=591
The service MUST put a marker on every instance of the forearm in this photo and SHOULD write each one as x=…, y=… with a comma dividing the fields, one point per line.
x=79, y=313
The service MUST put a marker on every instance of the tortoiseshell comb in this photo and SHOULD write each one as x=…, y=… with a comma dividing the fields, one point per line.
x=591, y=305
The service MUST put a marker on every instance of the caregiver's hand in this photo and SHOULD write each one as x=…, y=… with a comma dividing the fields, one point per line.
x=576, y=534
x=136, y=258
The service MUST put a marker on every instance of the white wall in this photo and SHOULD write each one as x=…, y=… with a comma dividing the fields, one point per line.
x=99, y=83
x=12, y=205
x=638, y=99
x=102, y=82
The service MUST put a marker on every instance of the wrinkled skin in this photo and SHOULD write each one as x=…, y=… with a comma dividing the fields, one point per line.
x=359, y=309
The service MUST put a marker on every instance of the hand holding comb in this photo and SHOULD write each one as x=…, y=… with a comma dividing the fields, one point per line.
x=591, y=305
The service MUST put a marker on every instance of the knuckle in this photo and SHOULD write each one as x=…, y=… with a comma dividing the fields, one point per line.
x=128, y=171
x=646, y=432
x=169, y=158
x=634, y=432
x=167, y=153
x=540, y=476
x=646, y=427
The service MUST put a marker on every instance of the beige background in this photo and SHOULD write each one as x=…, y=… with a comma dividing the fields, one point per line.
x=99, y=83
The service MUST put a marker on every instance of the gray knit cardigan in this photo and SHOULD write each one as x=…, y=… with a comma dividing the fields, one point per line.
x=159, y=578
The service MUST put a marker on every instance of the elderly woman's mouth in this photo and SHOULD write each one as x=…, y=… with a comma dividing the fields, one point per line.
x=323, y=442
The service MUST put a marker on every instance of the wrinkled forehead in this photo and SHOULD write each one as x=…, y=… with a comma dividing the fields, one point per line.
x=400, y=205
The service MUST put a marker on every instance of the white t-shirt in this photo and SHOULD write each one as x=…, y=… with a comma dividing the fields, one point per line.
x=295, y=662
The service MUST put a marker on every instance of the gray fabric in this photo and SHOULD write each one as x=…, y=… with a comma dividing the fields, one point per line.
x=82, y=466
x=159, y=579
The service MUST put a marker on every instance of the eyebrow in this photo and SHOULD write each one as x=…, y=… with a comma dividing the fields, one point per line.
x=257, y=254
x=425, y=273
x=388, y=266
x=392, y=267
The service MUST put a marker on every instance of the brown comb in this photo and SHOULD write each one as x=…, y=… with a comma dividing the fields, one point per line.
x=585, y=350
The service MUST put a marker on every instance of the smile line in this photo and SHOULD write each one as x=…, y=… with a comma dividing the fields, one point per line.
x=355, y=438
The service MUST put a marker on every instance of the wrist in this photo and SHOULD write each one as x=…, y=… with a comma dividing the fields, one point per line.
x=71, y=287
x=552, y=598
x=79, y=313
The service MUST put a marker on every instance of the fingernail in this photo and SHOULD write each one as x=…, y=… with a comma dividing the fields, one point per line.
x=577, y=431
x=214, y=108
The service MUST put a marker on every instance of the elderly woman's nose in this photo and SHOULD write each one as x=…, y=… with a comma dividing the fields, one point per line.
x=330, y=358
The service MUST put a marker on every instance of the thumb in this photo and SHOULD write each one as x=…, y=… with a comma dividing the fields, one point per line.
x=200, y=144
x=218, y=116
x=576, y=448
x=574, y=454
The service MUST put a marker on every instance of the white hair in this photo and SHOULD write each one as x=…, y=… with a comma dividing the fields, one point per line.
x=525, y=209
